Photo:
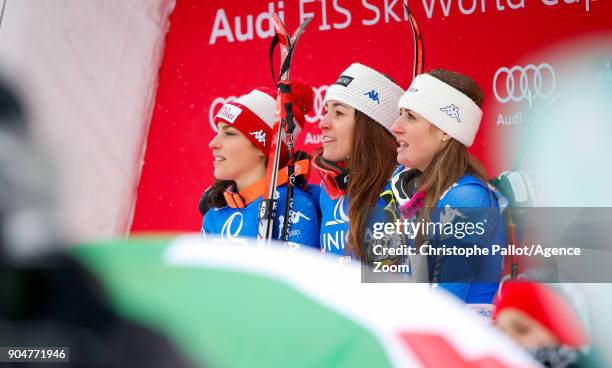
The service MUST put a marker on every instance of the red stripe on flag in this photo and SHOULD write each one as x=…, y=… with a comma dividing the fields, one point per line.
x=436, y=351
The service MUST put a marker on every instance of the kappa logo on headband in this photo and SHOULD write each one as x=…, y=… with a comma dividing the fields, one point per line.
x=373, y=95
x=260, y=136
x=229, y=113
x=452, y=111
x=344, y=80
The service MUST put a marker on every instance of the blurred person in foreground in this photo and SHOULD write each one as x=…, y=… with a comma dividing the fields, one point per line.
x=546, y=320
x=564, y=144
x=47, y=298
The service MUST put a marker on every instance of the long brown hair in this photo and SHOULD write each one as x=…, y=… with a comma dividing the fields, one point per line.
x=215, y=196
x=371, y=164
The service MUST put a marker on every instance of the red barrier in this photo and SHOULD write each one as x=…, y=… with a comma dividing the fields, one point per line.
x=219, y=49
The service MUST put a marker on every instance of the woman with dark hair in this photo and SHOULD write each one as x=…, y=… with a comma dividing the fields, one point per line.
x=357, y=161
x=240, y=151
x=439, y=118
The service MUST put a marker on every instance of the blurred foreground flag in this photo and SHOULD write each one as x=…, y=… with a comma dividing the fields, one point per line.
x=243, y=306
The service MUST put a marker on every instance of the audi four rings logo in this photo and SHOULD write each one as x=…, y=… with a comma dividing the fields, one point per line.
x=318, y=109
x=527, y=82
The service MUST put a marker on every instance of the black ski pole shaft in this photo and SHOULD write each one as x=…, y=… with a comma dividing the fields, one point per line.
x=290, y=165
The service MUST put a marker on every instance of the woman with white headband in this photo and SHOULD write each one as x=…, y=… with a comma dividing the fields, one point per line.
x=240, y=152
x=357, y=161
x=439, y=118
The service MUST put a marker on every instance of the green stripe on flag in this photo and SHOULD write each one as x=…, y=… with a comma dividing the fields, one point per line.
x=226, y=318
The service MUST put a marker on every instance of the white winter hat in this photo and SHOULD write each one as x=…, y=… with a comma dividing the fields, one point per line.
x=444, y=106
x=368, y=91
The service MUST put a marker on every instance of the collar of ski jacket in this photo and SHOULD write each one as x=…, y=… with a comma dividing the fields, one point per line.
x=255, y=190
x=335, y=176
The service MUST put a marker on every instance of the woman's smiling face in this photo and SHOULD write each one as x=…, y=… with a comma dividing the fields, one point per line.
x=337, y=126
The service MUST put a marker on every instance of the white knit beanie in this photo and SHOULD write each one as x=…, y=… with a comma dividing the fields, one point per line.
x=444, y=106
x=368, y=91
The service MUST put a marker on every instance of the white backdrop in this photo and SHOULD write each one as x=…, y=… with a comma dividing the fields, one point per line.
x=88, y=70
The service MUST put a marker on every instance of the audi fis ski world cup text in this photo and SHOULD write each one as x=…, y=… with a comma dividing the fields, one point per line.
x=334, y=14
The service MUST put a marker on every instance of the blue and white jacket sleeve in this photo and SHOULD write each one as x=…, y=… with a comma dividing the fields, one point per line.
x=472, y=211
x=315, y=193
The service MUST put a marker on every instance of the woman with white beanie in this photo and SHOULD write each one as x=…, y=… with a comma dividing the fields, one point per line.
x=240, y=151
x=356, y=163
x=439, y=117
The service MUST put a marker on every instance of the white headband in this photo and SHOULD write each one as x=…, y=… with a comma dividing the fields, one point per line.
x=444, y=106
x=368, y=91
